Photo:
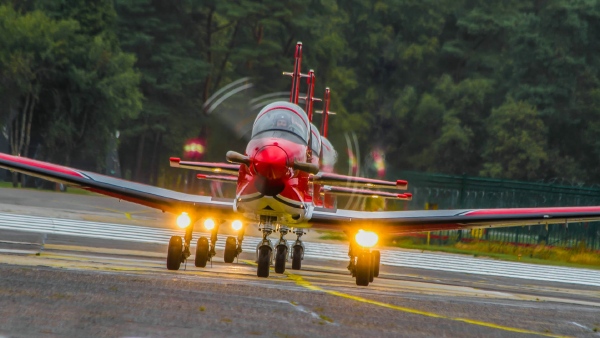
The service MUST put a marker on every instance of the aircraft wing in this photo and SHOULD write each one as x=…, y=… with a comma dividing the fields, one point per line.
x=397, y=222
x=218, y=178
x=343, y=191
x=211, y=167
x=332, y=179
x=154, y=197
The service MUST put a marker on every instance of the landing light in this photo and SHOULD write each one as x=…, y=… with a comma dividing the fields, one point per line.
x=209, y=224
x=236, y=225
x=183, y=220
x=366, y=238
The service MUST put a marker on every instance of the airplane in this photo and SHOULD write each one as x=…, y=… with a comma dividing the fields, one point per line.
x=283, y=183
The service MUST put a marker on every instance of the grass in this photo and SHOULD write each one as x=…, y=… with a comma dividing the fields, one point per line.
x=332, y=235
x=576, y=257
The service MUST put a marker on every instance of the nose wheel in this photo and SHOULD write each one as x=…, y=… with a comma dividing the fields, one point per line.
x=264, y=261
x=281, y=258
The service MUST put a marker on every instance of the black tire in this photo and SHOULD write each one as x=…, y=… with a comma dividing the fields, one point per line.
x=363, y=269
x=280, y=258
x=376, y=262
x=230, y=249
x=201, y=252
x=297, y=257
x=264, y=260
x=174, y=253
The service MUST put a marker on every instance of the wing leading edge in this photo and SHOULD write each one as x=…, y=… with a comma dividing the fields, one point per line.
x=397, y=222
x=154, y=197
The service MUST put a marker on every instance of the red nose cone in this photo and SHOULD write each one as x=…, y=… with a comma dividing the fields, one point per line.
x=271, y=162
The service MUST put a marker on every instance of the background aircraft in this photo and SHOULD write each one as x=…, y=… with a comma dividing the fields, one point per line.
x=279, y=182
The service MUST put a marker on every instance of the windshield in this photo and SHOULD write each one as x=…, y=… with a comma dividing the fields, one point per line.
x=329, y=154
x=282, y=119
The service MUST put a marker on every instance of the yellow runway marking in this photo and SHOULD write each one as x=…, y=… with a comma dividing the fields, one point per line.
x=304, y=283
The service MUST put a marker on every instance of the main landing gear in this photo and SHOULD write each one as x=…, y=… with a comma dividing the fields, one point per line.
x=364, y=263
x=179, y=250
x=267, y=253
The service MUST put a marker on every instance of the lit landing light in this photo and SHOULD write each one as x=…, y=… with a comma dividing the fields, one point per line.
x=236, y=225
x=366, y=239
x=209, y=224
x=183, y=220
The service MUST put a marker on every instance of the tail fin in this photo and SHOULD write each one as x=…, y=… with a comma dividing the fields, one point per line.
x=325, y=112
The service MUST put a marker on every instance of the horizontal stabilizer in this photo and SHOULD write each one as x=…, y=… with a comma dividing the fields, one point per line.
x=218, y=178
x=364, y=193
x=356, y=182
x=211, y=167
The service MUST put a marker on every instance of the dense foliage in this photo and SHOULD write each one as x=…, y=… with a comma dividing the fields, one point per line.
x=502, y=88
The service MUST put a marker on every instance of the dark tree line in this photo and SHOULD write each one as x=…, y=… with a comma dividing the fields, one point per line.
x=505, y=89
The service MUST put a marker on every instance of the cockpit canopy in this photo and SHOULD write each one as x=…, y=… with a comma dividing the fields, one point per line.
x=315, y=140
x=329, y=156
x=283, y=120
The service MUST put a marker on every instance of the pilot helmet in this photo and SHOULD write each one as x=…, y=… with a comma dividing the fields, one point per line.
x=282, y=121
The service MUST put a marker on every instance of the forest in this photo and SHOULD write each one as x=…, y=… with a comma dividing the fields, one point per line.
x=496, y=88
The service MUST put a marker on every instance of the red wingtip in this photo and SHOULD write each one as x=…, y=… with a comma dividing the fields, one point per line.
x=175, y=159
x=401, y=182
x=201, y=176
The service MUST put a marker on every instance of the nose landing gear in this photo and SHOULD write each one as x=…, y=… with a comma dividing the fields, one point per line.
x=281, y=251
x=264, y=250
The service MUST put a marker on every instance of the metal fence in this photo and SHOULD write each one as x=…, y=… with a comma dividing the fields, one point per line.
x=435, y=191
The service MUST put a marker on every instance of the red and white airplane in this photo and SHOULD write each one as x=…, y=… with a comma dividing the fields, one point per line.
x=284, y=184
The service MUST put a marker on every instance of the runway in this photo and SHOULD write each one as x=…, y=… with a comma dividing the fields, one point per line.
x=420, y=260
x=76, y=277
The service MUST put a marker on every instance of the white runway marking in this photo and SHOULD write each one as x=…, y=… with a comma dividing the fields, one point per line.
x=430, y=261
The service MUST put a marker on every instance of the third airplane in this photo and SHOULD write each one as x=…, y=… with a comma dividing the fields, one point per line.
x=284, y=185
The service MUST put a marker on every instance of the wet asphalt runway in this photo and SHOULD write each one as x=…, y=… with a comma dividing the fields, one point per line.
x=57, y=285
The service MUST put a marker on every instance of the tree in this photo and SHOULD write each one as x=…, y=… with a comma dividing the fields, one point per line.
x=517, y=143
x=96, y=89
x=31, y=52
